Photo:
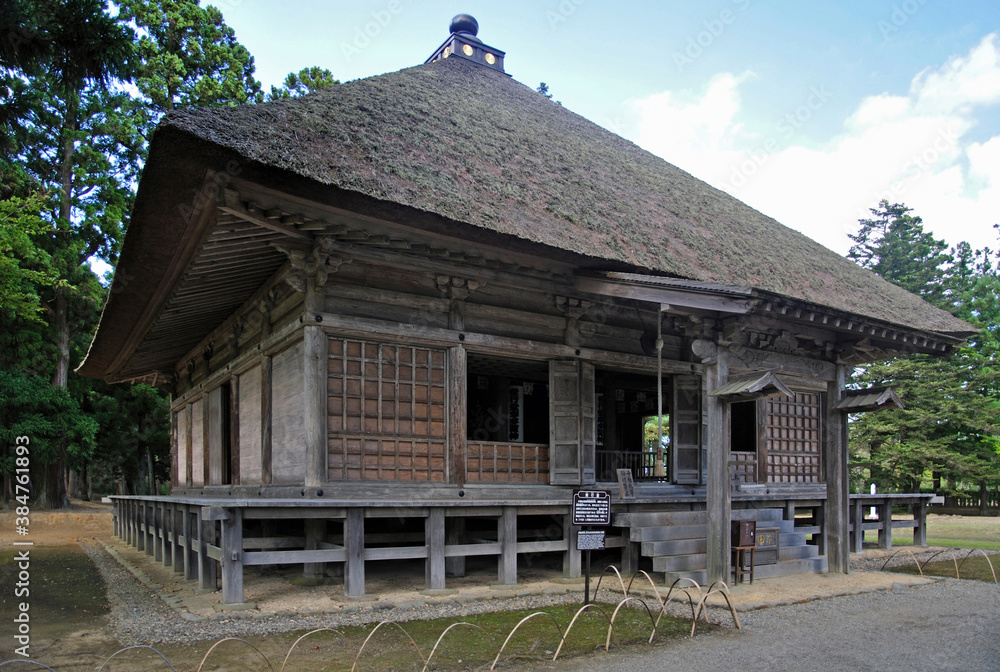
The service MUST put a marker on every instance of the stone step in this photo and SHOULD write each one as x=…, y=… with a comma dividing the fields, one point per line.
x=797, y=552
x=654, y=549
x=677, y=563
x=817, y=565
x=792, y=539
x=701, y=576
x=668, y=532
x=657, y=518
x=759, y=515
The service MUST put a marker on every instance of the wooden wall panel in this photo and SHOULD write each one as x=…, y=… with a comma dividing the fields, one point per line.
x=197, y=442
x=182, y=435
x=250, y=459
x=386, y=408
x=288, y=436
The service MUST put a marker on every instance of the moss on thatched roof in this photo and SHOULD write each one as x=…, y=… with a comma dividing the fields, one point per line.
x=476, y=147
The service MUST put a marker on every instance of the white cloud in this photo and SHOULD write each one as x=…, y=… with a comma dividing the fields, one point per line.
x=909, y=148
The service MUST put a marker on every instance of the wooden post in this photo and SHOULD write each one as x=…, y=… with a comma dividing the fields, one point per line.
x=265, y=417
x=129, y=521
x=457, y=414
x=156, y=540
x=507, y=535
x=168, y=529
x=354, y=553
x=180, y=544
x=142, y=527
x=572, y=559
x=885, y=529
x=434, y=566
x=208, y=569
x=315, y=366
x=234, y=429
x=718, y=505
x=315, y=530
x=857, y=513
x=232, y=557
x=455, y=566
x=631, y=551
x=920, y=518
x=835, y=527
x=190, y=527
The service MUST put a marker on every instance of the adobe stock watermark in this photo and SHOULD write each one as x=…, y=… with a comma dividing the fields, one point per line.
x=785, y=127
x=562, y=12
x=22, y=557
x=919, y=163
x=371, y=30
x=899, y=17
x=714, y=28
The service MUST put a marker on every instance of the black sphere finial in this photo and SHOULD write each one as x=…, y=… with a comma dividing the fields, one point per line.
x=464, y=23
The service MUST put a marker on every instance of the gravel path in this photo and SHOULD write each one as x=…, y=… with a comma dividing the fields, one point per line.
x=950, y=625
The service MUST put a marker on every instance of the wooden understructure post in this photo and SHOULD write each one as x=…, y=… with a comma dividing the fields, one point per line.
x=232, y=556
x=507, y=536
x=718, y=504
x=354, y=552
x=434, y=539
x=836, y=522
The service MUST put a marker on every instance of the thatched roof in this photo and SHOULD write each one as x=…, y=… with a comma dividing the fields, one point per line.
x=474, y=146
x=456, y=149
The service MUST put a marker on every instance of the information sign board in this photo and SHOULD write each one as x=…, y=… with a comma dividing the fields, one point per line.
x=591, y=507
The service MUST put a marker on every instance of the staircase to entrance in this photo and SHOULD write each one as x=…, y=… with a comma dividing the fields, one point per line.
x=676, y=542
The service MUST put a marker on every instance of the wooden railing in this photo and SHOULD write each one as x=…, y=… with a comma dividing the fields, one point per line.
x=493, y=462
x=642, y=464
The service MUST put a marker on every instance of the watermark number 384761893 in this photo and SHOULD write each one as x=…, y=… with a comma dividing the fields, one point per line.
x=22, y=556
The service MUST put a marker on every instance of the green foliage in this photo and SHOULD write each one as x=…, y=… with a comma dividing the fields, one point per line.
x=50, y=416
x=307, y=80
x=950, y=427
x=24, y=267
x=188, y=57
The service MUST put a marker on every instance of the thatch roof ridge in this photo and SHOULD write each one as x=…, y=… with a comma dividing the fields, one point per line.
x=476, y=147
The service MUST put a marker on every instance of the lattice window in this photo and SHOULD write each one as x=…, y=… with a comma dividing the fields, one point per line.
x=793, y=439
x=386, y=412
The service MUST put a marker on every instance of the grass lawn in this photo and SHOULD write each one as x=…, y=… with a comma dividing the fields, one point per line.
x=959, y=531
x=408, y=645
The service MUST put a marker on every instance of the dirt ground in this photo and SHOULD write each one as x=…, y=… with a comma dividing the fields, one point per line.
x=69, y=632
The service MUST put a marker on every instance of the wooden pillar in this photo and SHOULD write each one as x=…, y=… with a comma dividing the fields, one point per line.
x=190, y=529
x=265, y=418
x=315, y=530
x=232, y=557
x=920, y=519
x=180, y=544
x=631, y=552
x=155, y=540
x=354, y=553
x=857, y=513
x=455, y=566
x=234, y=426
x=457, y=414
x=837, y=507
x=208, y=569
x=315, y=374
x=885, y=529
x=434, y=566
x=718, y=505
x=507, y=535
x=129, y=512
x=572, y=558
x=141, y=527
x=818, y=518
x=167, y=532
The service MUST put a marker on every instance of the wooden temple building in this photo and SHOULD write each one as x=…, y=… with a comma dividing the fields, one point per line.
x=406, y=317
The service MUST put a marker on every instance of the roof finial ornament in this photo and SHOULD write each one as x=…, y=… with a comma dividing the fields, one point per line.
x=464, y=23
x=463, y=43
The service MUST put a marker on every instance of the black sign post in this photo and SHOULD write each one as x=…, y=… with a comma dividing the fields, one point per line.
x=590, y=507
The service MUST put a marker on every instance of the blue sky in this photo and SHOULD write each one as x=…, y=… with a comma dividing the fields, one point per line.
x=810, y=112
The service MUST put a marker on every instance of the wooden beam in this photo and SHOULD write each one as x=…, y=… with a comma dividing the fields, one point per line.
x=675, y=298
x=237, y=210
